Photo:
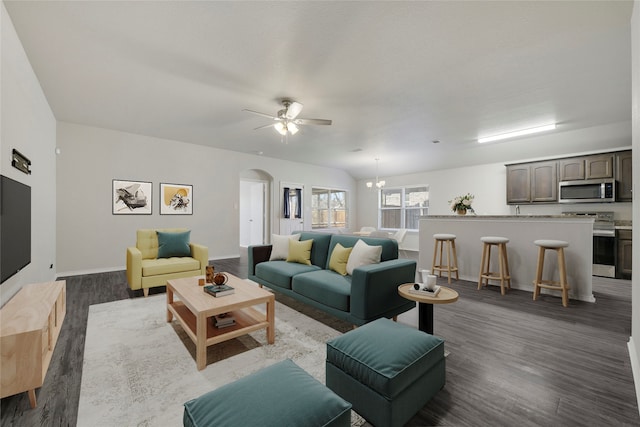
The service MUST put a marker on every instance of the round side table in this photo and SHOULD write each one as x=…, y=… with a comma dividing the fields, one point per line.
x=426, y=302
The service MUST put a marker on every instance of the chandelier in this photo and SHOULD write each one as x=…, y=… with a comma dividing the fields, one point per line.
x=379, y=183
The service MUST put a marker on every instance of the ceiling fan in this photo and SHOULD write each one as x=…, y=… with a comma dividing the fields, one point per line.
x=286, y=121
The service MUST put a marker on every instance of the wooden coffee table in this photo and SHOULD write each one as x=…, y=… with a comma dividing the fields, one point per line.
x=425, y=304
x=195, y=307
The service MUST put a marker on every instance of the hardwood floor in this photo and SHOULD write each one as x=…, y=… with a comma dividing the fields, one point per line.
x=512, y=361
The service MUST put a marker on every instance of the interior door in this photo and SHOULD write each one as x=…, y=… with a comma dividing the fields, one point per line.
x=252, y=212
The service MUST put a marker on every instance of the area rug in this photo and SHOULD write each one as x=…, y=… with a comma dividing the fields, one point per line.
x=139, y=370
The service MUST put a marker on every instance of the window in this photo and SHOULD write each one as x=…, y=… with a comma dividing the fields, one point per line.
x=402, y=207
x=328, y=208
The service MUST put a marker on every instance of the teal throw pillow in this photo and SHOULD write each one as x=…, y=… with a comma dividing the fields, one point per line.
x=173, y=244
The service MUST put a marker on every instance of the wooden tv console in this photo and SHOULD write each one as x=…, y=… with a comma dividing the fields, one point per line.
x=30, y=324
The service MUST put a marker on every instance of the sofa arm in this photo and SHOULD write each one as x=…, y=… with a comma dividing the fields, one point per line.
x=256, y=255
x=201, y=253
x=134, y=267
x=374, y=287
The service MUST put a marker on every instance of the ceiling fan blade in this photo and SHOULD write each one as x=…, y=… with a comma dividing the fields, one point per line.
x=270, y=125
x=312, y=121
x=293, y=110
x=261, y=114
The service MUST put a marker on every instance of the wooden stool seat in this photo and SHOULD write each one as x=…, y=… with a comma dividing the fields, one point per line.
x=452, y=258
x=503, y=261
x=561, y=285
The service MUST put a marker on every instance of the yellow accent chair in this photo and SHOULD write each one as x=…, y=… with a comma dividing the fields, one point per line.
x=161, y=255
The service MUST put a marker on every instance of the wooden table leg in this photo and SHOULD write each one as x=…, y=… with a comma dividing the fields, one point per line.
x=169, y=302
x=201, y=342
x=271, y=317
x=32, y=397
x=425, y=317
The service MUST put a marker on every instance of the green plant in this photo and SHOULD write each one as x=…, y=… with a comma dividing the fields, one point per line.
x=462, y=202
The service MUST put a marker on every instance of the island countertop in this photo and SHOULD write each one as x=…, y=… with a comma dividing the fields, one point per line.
x=522, y=231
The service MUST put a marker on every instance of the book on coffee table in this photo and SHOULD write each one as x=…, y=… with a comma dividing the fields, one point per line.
x=223, y=320
x=219, y=290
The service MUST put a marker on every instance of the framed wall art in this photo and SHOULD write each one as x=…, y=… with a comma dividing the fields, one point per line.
x=176, y=199
x=131, y=197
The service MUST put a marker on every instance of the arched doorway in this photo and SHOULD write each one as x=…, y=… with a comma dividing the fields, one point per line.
x=254, y=210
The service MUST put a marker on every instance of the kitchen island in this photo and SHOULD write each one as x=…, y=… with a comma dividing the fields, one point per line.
x=521, y=230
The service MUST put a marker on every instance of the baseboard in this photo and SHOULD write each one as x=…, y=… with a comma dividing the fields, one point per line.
x=121, y=268
x=92, y=271
x=635, y=367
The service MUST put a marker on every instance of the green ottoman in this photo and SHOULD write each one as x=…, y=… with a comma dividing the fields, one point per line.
x=279, y=395
x=387, y=370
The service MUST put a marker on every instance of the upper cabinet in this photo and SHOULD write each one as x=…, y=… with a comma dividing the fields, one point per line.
x=586, y=167
x=535, y=182
x=623, y=176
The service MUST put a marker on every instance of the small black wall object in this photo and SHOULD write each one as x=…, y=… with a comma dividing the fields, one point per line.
x=20, y=162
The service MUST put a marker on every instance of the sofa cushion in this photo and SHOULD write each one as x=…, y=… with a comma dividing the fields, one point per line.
x=326, y=287
x=280, y=246
x=320, y=249
x=282, y=394
x=389, y=246
x=155, y=267
x=363, y=254
x=339, y=258
x=300, y=252
x=173, y=244
x=147, y=240
x=280, y=273
x=359, y=354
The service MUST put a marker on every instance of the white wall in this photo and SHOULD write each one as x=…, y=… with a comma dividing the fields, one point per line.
x=90, y=238
x=28, y=125
x=634, y=342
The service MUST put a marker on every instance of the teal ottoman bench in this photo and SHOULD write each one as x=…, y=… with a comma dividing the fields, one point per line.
x=279, y=395
x=387, y=370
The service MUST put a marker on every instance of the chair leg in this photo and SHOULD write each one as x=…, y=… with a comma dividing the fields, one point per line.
x=482, y=264
x=435, y=253
x=501, y=265
x=538, y=280
x=563, y=278
x=455, y=258
x=449, y=261
x=506, y=266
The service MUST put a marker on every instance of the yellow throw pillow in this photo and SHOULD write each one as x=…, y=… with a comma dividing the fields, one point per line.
x=300, y=252
x=339, y=258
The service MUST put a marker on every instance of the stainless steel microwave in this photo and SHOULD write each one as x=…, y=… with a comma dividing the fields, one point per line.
x=587, y=191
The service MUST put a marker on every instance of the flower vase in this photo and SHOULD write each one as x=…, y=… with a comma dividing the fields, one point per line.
x=461, y=211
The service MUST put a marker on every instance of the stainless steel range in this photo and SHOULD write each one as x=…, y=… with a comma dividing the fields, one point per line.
x=604, y=242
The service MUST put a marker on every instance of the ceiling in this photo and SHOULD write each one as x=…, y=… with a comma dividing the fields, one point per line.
x=393, y=76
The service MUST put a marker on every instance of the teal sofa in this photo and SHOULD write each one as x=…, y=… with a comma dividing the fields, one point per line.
x=370, y=293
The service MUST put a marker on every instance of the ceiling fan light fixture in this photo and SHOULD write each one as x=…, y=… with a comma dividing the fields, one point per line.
x=280, y=128
x=293, y=129
x=516, y=133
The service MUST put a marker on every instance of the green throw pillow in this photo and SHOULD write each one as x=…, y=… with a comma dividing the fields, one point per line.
x=173, y=244
x=300, y=252
x=339, y=258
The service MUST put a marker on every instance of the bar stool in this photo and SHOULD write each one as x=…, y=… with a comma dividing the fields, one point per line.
x=562, y=285
x=485, y=267
x=450, y=239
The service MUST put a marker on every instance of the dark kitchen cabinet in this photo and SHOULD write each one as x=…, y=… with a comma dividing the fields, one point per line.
x=518, y=184
x=598, y=166
x=586, y=167
x=623, y=176
x=535, y=182
x=624, y=252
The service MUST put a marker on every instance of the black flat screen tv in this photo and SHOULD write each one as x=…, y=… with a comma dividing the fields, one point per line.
x=15, y=227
